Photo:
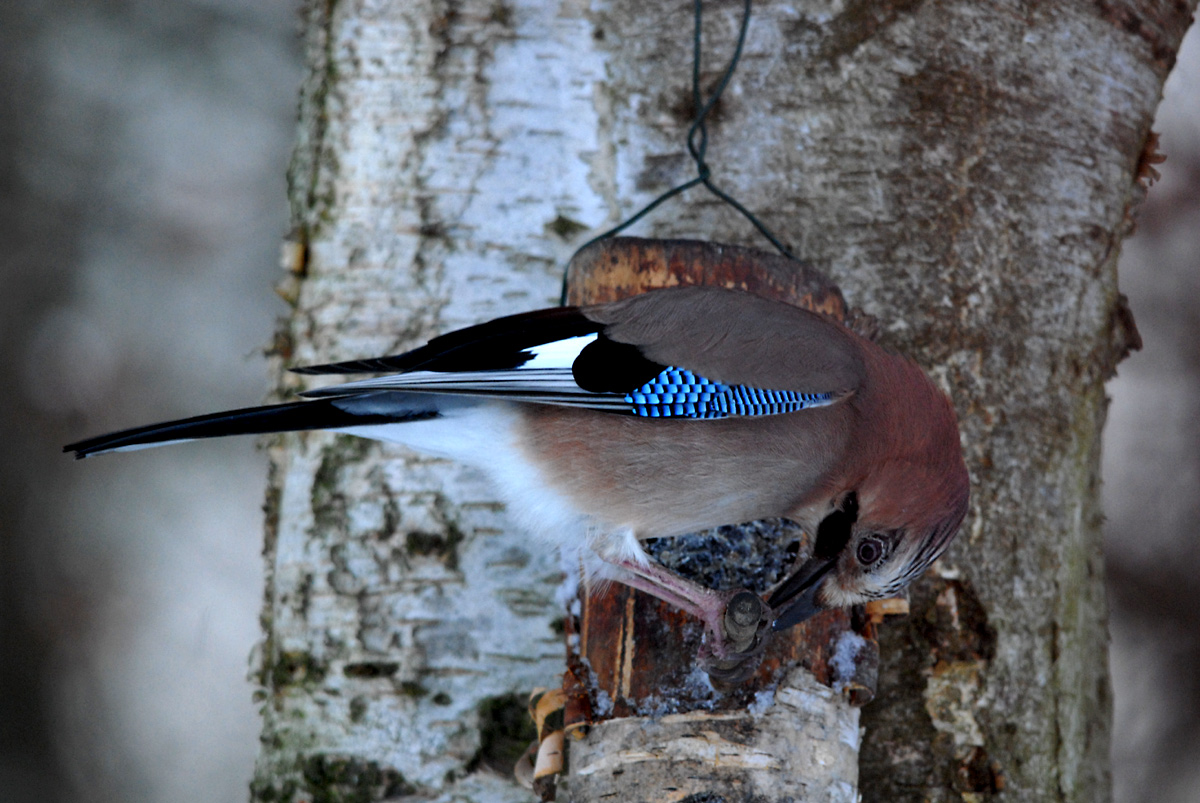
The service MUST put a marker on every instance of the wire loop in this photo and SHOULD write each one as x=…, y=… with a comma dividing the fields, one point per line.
x=697, y=137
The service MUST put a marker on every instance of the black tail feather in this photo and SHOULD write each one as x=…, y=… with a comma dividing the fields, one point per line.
x=290, y=417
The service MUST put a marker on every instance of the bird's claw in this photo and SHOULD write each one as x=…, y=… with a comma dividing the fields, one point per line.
x=734, y=652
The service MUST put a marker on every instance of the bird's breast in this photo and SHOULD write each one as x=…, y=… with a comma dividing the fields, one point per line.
x=667, y=477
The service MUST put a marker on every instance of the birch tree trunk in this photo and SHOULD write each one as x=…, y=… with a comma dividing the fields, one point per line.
x=965, y=170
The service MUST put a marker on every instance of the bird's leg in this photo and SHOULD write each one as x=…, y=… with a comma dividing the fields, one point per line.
x=705, y=604
x=732, y=617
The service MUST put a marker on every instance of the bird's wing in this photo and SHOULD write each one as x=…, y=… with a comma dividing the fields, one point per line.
x=694, y=352
x=737, y=338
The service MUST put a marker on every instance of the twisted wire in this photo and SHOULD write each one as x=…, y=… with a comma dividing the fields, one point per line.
x=697, y=137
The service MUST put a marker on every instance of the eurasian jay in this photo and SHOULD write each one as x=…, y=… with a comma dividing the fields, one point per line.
x=665, y=413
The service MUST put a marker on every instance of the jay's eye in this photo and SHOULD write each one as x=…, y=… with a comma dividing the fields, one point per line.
x=870, y=550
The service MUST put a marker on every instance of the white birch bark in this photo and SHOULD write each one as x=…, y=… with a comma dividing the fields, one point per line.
x=438, y=146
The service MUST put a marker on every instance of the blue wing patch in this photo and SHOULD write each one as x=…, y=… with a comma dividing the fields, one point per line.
x=678, y=393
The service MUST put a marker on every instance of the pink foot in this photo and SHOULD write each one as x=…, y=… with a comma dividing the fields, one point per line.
x=736, y=623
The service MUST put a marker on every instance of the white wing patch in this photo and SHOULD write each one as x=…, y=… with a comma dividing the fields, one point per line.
x=558, y=353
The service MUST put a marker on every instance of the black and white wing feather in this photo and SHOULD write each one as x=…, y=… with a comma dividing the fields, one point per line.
x=678, y=353
x=576, y=370
x=564, y=357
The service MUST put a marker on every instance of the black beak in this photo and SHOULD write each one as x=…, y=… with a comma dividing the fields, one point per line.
x=795, y=600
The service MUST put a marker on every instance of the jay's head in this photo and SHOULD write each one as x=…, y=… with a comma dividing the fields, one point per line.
x=884, y=524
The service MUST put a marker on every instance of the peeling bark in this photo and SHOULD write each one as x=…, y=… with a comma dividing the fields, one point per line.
x=964, y=170
x=803, y=746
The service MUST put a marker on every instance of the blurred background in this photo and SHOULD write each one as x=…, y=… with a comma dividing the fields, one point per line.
x=143, y=146
x=1152, y=474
